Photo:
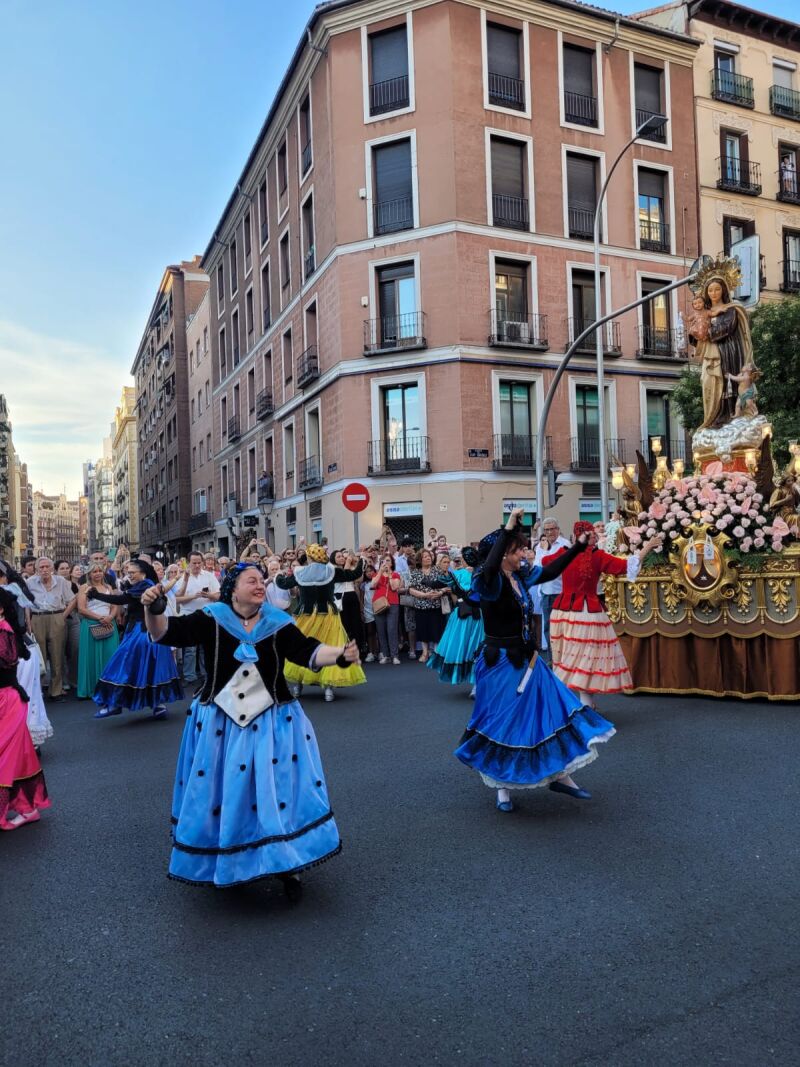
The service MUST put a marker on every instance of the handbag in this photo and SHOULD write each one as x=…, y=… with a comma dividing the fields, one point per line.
x=447, y=607
x=100, y=632
x=407, y=601
x=379, y=605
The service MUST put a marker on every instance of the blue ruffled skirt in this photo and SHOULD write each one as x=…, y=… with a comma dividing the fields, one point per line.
x=139, y=675
x=249, y=802
x=454, y=658
x=527, y=740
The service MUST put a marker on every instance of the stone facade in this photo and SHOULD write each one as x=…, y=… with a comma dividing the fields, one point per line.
x=56, y=523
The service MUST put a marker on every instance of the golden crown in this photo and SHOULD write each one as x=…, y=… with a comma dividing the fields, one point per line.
x=723, y=268
x=316, y=553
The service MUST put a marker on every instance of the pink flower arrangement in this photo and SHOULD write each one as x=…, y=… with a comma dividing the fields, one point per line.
x=727, y=501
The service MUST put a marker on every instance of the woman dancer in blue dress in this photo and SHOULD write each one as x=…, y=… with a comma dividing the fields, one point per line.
x=139, y=674
x=454, y=658
x=250, y=799
x=527, y=729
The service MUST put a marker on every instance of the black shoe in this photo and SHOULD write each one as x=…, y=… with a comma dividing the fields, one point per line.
x=292, y=887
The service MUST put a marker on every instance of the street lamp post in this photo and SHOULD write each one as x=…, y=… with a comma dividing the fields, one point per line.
x=654, y=122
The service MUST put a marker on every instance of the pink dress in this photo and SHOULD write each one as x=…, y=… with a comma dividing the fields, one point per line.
x=22, y=785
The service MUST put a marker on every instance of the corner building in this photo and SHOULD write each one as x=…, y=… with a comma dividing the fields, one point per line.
x=408, y=252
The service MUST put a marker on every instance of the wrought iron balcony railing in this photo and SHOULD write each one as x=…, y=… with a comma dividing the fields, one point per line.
x=200, y=520
x=389, y=95
x=309, y=473
x=307, y=367
x=788, y=186
x=784, y=102
x=234, y=428
x=585, y=451
x=660, y=343
x=517, y=328
x=264, y=404
x=392, y=332
x=506, y=92
x=400, y=455
x=510, y=212
x=732, y=88
x=579, y=109
x=518, y=451
x=610, y=332
x=581, y=222
x=654, y=236
x=394, y=215
x=738, y=176
x=659, y=134
x=790, y=273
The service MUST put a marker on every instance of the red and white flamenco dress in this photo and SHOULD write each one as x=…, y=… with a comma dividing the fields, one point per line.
x=587, y=655
x=22, y=786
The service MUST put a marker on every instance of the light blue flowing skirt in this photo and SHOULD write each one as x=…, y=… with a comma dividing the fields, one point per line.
x=454, y=658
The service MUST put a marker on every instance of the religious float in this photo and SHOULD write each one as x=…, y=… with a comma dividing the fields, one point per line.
x=717, y=611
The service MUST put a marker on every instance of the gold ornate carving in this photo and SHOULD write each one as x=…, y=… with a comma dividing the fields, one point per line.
x=672, y=594
x=742, y=595
x=613, y=605
x=704, y=580
x=781, y=597
x=638, y=595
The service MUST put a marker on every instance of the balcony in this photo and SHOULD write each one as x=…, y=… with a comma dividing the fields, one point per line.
x=394, y=333
x=510, y=212
x=585, y=452
x=309, y=263
x=675, y=449
x=305, y=158
x=738, y=176
x=518, y=452
x=394, y=215
x=200, y=520
x=660, y=343
x=506, y=92
x=580, y=110
x=403, y=455
x=790, y=273
x=580, y=221
x=389, y=95
x=610, y=332
x=234, y=429
x=788, y=187
x=307, y=367
x=517, y=329
x=732, y=88
x=264, y=404
x=654, y=236
x=659, y=135
x=784, y=102
x=266, y=489
x=309, y=473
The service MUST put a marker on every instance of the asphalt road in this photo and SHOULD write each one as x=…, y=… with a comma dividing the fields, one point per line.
x=656, y=924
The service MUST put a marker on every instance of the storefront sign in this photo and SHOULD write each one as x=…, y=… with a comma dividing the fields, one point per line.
x=526, y=505
x=478, y=453
x=408, y=509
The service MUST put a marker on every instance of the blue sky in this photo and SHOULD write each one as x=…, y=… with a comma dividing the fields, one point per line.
x=124, y=127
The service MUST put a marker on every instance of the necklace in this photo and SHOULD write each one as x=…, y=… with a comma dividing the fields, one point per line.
x=245, y=618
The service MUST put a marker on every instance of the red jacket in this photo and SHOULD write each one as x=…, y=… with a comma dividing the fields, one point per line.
x=579, y=580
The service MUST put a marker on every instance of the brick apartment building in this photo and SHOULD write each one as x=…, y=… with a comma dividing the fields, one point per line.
x=408, y=252
x=123, y=456
x=56, y=526
x=160, y=371
x=201, y=427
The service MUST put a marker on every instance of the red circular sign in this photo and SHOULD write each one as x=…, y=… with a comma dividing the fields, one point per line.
x=355, y=496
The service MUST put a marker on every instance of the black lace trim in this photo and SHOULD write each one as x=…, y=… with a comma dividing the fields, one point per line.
x=274, y=839
x=569, y=726
x=258, y=877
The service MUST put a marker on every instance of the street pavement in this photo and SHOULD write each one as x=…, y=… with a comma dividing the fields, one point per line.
x=656, y=924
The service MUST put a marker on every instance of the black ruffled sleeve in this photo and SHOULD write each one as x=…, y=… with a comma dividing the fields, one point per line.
x=292, y=644
x=185, y=631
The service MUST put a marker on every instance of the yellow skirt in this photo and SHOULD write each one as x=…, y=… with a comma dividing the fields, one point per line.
x=327, y=629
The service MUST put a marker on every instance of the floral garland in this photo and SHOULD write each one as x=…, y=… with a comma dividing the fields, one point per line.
x=729, y=502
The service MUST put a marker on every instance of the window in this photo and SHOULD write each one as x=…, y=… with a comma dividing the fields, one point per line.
x=283, y=171
x=787, y=173
x=663, y=422
x=736, y=172
x=208, y=446
x=262, y=212
x=309, y=251
x=288, y=356
x=388, y=73
x=205, y=340
x=224, y=481
x=249, y=323
x=734, y=230
x=199, y=403
x=248, y=243
x=191, y=361
x=235, y=337
x=401, y=426
x=194, y=462
x=516, y=420
x=251, y=476
x=649, y=99
x=791, y=261
x=393, y=191
x=654, y=233
x=784, y=100
x=587, y=419
x=201, y=450
x=251, y=391
x=234, y=268
x=193, y=410
x=306, y=157
x=265, y=298
x=509, y=194
x=583, y=312
x=285, y=262
x=221, y=285
x=223, y=417
x=400, y=322
x=288, y=451
x=580, y=93
x=503, y=55
x=208, y=393
x=582, y=184
x=656, y=334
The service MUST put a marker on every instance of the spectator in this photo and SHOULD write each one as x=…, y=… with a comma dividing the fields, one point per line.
x=99, y=637
x=433, y=538
x=370, y=627
x=550, y=541
x=28, y=567
x=279, y=598
x=72, y=628
x=53, y=595
x=402, y=558
x=426, y=585
x=387, y=583
x=347, y=600
x=197, y=588
x=210, y=564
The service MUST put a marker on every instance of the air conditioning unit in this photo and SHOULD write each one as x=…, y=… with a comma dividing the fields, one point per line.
x=514, y=332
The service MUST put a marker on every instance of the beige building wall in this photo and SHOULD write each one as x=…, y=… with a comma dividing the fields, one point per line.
x=123, y=458
x=201, y=427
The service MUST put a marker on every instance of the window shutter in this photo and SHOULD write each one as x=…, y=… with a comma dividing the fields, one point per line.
x=507, y=168
x=578, y=75
x=392, y=171
x=651, y=183
x=502, y=45
x=389, y=54
x=647, y=84
x=581, y=181
x=781, y=76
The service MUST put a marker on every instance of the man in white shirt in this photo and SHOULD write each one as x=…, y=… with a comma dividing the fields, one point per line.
x=549, y=590
x=52, y=595
x=198, y=588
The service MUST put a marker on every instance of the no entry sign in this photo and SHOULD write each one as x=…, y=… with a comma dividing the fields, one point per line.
x=355, y=497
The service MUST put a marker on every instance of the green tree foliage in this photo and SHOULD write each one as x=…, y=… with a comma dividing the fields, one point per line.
x=776, y=347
